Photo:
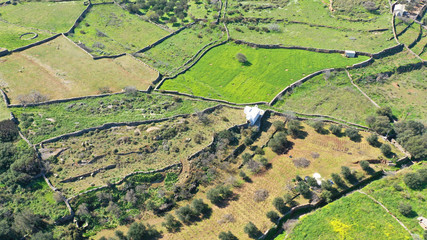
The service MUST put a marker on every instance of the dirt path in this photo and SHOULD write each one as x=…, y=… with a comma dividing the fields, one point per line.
x=351, y=80
x=373, y=199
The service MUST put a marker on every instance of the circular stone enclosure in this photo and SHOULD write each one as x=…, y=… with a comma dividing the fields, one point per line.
x=28, y=36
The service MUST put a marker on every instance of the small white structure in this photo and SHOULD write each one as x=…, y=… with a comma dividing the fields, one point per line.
x=253, y=114
x=350, y=54
x=399, y=10
x=423, y=222
x=318, y=178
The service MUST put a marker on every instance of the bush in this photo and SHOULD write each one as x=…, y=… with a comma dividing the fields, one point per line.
x=260, y=195
x=219, y=194
x=345, y=171
x=386, y=149
x=227, y=236
x=335, y=129
x=304, y=189
x=171, y=224
x=294, y=128
x=326, y=195
x=186, y=214
x=372, y=140
x=365, y=165
x=318, y=126
x=241, y=58
x=32, y=97
x=352, y=133
x=273, y=216
x=252, y=230
x=138, y=231
x=405, y=209
x=280, y=205
x=338, y=181
x=301, y=162
x=413, y=180
x=8, y=131
x=199, y=207
x=279, y=125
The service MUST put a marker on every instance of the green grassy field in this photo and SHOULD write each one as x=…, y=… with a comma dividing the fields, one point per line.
x=59, y=69
x=405, y=93
x=315, y=12
x=10, y=36
x=334, y=97
x=353, y=217
x=4, y=112
x=108, y=30
x=319, y=37
x=56, y=119
x=171, y=54
x=385, y=192
x=220, y=75
x=55, y=17
x=421, y=47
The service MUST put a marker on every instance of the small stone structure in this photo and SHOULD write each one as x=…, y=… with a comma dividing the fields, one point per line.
x=350, y=54
x=399, y=10
x=423, y=222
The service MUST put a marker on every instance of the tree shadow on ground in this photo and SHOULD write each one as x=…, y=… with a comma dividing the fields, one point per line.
x=247, y=64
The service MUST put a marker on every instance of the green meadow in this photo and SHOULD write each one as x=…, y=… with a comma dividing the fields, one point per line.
x=220, y=75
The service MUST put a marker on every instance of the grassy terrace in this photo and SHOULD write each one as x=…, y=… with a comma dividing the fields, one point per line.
x=56, y=119
x=55, y=17
x=171, y=54
x=135, y=148
x=220, y=75
x=334, y=96
x=9, y=36
x=108, y=30
x=59, y=69
x=355, y=216
x=316, y=12
x=319, y=37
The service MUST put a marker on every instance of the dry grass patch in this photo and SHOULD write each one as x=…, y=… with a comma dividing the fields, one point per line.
x=59, y=69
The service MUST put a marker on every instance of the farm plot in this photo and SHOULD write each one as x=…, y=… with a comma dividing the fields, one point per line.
x=171, y=54
x=129, y=149
x=51, y=16
x=314, y=12
x=407, y=32
x=4, y=112
x=328, y=94
x=405, y=93
x=330, y=153
x=420, y=47
x=264, y=74
x=109, y=30
x=43, y=122
x=291, y=34
x=204, y=9
x=353, y=216
x=59, y=69
x=10, y=36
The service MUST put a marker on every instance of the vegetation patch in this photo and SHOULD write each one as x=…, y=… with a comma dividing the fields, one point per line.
x=10, y=36
x=219, y=74
x=51, y=16
x=352, y=216
x=130, y=149
x=108, y=30
x=169, y=56
x=43, y=122
x=59, y=69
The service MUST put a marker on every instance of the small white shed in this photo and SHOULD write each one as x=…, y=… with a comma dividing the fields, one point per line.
x=350, y=54
x=399, y=10
x=253, y=114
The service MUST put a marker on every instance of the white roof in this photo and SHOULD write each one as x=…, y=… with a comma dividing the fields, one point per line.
x=350, y=53
x=399, y=7
x=253, y=113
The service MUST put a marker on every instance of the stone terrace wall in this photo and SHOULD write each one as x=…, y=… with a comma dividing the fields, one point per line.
x=164, y=38
x=120, y=124
x=36, y=43
x=4, y=52
x=5, y=98
x=79, y=19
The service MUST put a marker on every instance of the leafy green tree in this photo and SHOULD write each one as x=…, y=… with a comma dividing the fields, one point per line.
x=318, y=126
x=273, y=216
x=386, y=149
x=252, y=230
x=171, y=224
x=279, y=125
x=42, y=236
x=346, y=172
x=338, y=181
x=219, y=194
x=186, y=214
x=304, y=189
x=326, y=195
x=405, y=209
x=335, y=129
x=373, y=140
x=365, y=165
x=241, y=58
x=227, y=236
x=380, y=124
x=385, y=111
x=280, y=205
x=26, y=222
x=352, y=133
x=138, y=231
x=413, y=180
x=8, y=131
x=200, y=207
x=120, y=235
x=279, y=142
x=294, y=128
x=312, y=182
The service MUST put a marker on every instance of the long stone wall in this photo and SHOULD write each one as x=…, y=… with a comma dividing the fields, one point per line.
x=5, y=98
x=164, y=38
x=79, y=19
x=35, y=44
x=4, y=52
